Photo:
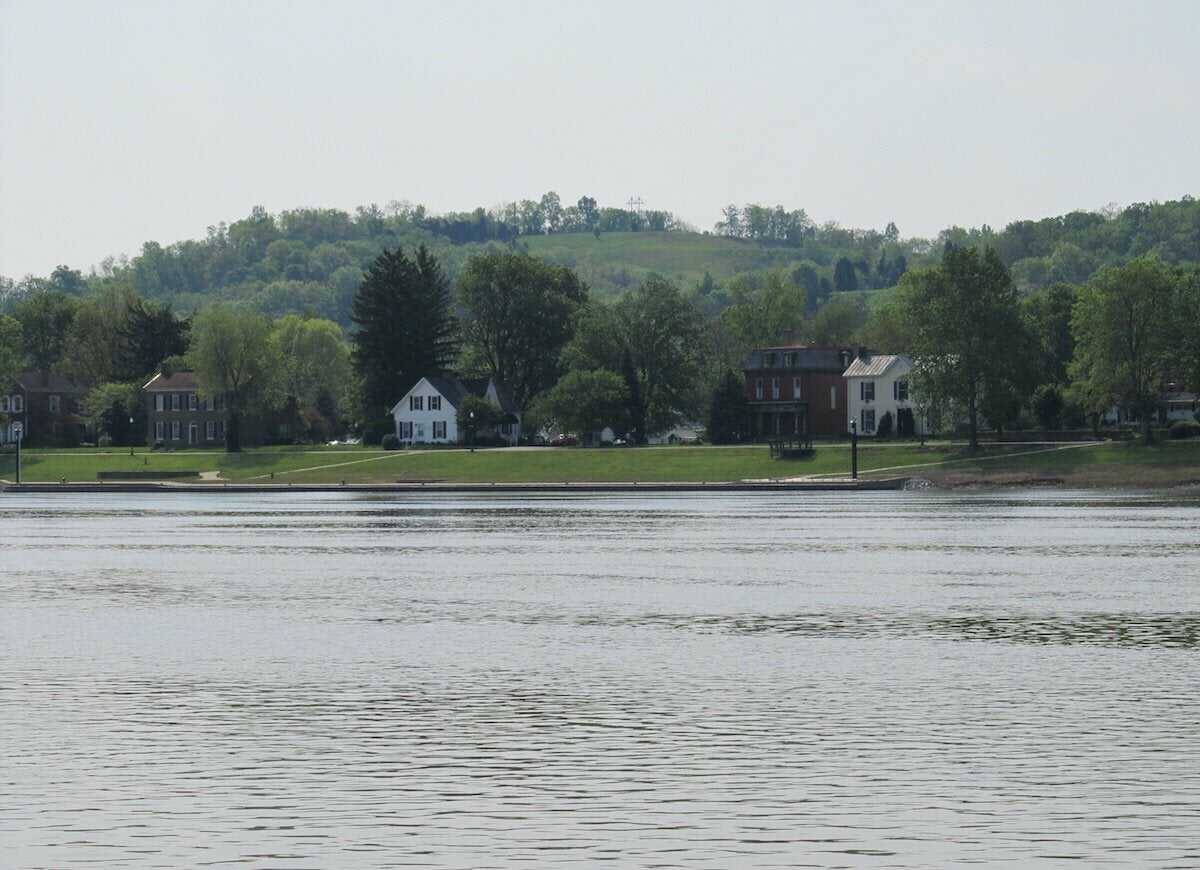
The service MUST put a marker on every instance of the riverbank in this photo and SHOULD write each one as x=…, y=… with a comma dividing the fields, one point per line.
x=942, y=464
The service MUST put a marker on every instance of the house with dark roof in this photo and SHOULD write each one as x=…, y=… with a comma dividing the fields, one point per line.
x=176, y=415
x=44, y=407
x=797, y=390
x=428, y=413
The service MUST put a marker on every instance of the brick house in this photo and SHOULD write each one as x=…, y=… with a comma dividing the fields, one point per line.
x=797, y=390
x=45, y=407
x=176, y=415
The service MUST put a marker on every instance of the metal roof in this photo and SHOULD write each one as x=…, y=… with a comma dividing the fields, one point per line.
x=873, y=365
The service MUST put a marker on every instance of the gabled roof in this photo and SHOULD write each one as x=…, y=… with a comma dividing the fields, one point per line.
x=176, y=381
x=873, y=365
x=46, y=382
x=454, y=389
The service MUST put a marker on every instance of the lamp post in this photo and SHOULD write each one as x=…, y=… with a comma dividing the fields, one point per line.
x=130, y=434
x=19, y=432
x=471, y=429
x=854, y=450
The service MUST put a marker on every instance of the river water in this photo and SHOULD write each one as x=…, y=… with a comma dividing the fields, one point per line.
x=765, y=680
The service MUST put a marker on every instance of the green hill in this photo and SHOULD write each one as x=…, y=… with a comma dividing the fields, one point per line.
x=614, y=262
x=311, y=260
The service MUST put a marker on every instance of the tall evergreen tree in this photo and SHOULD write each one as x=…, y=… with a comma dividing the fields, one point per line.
x=844, y=276
x=406, y=328
x=727, y=414
x=151, y=333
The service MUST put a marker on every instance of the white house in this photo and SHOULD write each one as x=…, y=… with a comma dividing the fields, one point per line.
x=877, y=384
x=427, y=414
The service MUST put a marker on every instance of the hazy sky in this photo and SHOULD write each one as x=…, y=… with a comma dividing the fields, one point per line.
x=122, y=122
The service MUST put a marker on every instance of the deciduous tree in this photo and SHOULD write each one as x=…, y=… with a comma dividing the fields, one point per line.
x=234, y=358
x=1125, y=335
x=520, y=313
x=964, y=320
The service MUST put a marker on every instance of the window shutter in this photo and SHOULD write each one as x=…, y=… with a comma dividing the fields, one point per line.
x=895, y=389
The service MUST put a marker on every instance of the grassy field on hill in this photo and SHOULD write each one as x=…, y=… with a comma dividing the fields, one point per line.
x=1127, y=465
x=616, y=262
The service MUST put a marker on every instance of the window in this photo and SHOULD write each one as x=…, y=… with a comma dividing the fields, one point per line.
x=419, y=432
x=789, y=360
x=175, y=430
x=900, y=391
x=416, y=403
x=18, y=404
x=774, y=388
x=176, y=401
x=210, y=430
x=406, y=431
x=866, y=390
x=192, y=403
x=435, y=403
x=833, y=398
x=55, y=404
x=868, y=421
x=769, y=361
x=795, y=388
x=758, y=388
x=3, y=404
x=158, y=431
x=439, y=428
x=158, y=401
x=209, y=404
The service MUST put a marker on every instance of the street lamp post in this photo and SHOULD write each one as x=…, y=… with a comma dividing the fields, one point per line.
x=471, y=429
x=854, y=450
x=130, y=434
x=20, y=433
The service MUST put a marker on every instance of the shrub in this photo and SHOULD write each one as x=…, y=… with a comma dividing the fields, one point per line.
x=390, y=441
x=1184, y=429
x=884, y=429
x=1048, y=406
x=374, y=431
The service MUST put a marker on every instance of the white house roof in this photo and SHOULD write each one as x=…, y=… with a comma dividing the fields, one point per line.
x=872, y=366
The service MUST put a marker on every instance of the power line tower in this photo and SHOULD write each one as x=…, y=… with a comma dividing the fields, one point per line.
x=635, y=204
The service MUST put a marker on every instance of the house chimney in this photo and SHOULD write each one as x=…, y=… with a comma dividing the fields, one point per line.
x=864, y=354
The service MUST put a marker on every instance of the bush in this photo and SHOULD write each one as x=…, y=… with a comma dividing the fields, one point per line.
x=374, y=431
x=1048, y=406
x=1184, y=429
x=390, y=441
x=884, y=429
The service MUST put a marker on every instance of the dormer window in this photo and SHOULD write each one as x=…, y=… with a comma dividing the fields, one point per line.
x=18, y=404
x=769, y=360
x=789, y=360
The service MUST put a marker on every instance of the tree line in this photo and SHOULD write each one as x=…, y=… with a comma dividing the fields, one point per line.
x=1060, y=356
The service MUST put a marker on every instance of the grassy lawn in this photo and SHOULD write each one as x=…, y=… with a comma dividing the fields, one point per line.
x=365, y=465
x=1124, y=464
x=1094, y=465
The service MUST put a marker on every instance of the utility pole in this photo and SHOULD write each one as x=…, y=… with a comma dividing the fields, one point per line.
x=20, y=435
x=635, y=204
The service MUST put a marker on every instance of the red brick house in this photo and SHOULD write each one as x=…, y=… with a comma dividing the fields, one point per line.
x=45, y=407
x=797, y=390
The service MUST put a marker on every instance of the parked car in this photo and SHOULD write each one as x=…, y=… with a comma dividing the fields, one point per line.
x=561, y=440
